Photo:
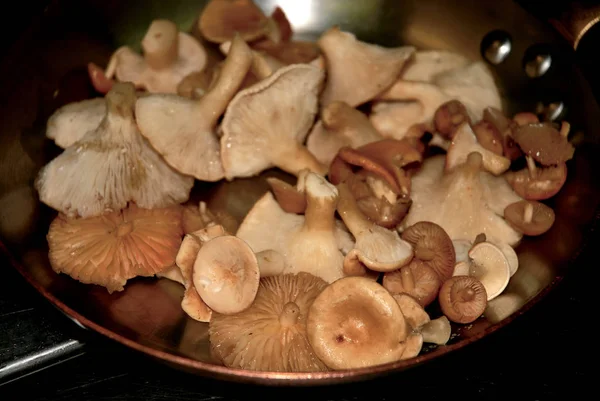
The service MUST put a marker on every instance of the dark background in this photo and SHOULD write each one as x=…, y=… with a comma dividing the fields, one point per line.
x=547, y=353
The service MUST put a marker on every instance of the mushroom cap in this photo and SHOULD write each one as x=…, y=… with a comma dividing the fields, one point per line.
x=412, y=345
x=381, y=249
x=71, y=122
x=226, y=274
x=266, y=124
x=511, y=256
x=461, y=249
x=462, y=299
x=490, y=266
x=394, y=119
x=108, y=250
x=543, y=143
x=355, y=323
x=432, y=245
x=271, y=334
x=465, y=142
x=132, y=171
x=416, y=279
x=358, y=71
x=530, y=217
x=543, y=184
x=437, y=331
x=412, y=310
x=220, y=20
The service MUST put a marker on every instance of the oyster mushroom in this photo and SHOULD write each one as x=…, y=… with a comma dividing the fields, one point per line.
x=314, y=243
x=266, y=124
x=169, y=56
x=355, y=323
x=462, y=299
x=395, y=119
x=226, y=274
x=465, y=142
x=537, y=183
x=488, y=264
x=262, y=66
x=183, y=130
x=108, y=250
x=437, y=331
x=221, y=20
x=376, y=247
x=544, y=143
x=417, y=279
x=530, y=217
x=340, y=125
x=271, y=334
x=464, y=202
x=358, y=71
x=71, y=122
x=132, y=171
x=432, y=245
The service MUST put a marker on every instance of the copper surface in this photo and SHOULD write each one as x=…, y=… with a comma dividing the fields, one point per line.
x=47, y=68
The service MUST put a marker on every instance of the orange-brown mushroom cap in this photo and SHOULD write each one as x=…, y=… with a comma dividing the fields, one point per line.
x=530, y=217
x=417, y=279
x=433, y=246
x=544, y=143
x=537, y=183
x=220, y=20
x=110, y=249
x=462, y=299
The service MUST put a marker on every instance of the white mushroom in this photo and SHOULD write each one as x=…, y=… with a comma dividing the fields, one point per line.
x=263, y=65
x=131, y=170
x=266, y=124
x=394, y=119
x=169, y=56
x=312, y=243
x=465, y=202
x=425, y=65
x=358, y=71
x=437, y=331
x=376, y=247
x=183, y=130
x=488, y=264
x=71, y=122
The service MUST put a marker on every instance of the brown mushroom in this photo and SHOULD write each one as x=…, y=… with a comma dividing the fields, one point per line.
x=416, y=279
x=226, y=274
x=355, y=323
x=524, y=118
x=221, y=20
x=537, y=183
x=98, y=78
x=489, y=137
x=110, y=249
x=289, y=198
x=432, y=246
x=530, y=217
x=505, y=127
x=463, y=299
x=544, y=143
x=449, y=116
x=412, y=310
x=271, y=335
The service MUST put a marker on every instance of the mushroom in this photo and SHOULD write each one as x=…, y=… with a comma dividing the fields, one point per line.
x=110, y=249
x=98, y=78
x=395, y=119
x=417, y=279
x=505, y=127
x=226, y=274
x=537, y=183
x=198, y=217
x=169, y=56
x=437, y=331
x=197, y=84
x=356, y=323
x=266, y=124
x=461, y=249
x=314, y=243
x=183, y=130
x=524, y=118
x=358, y=71
x=489, y=137
x=432, y=245
x=340, y=125
x=465, y=142
x=449, y=117
x=289, y=197
x=271, y=335
x=376, y=247
x=530, y=217
x=69, y=123
x=462, y=299
x=263, y=65
x=465, y=201
x=488, y=264
x=270, y=263
x=221, y=20
x=412, y=310
x=73, y=183
x=544, y=143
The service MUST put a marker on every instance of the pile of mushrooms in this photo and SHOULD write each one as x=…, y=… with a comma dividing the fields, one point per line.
x=409, y=188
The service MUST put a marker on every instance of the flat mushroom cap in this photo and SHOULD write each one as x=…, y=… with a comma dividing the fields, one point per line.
x=226, y=274
x=108, y=250
x=271, y=334
x=462, y=299
x=72, y=121
x=530, y=217
x=358, y=71
x=543, y=143
x=132, y=170
x=182, y=130
x=356, y=323
x=266, y=124
x=220, y=20
x=490, y=266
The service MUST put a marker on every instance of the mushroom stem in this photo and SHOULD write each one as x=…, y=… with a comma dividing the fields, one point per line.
x=160, y=44
x=351, y=214
x=270, y=263
x=289, y=314
x=474, y=161
x=120, y=102
x=531, y=167
x=233, y=72
x=565, y=127
x=408, y=280
x=319, y=214
x=298, y=159
x=528, y=213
